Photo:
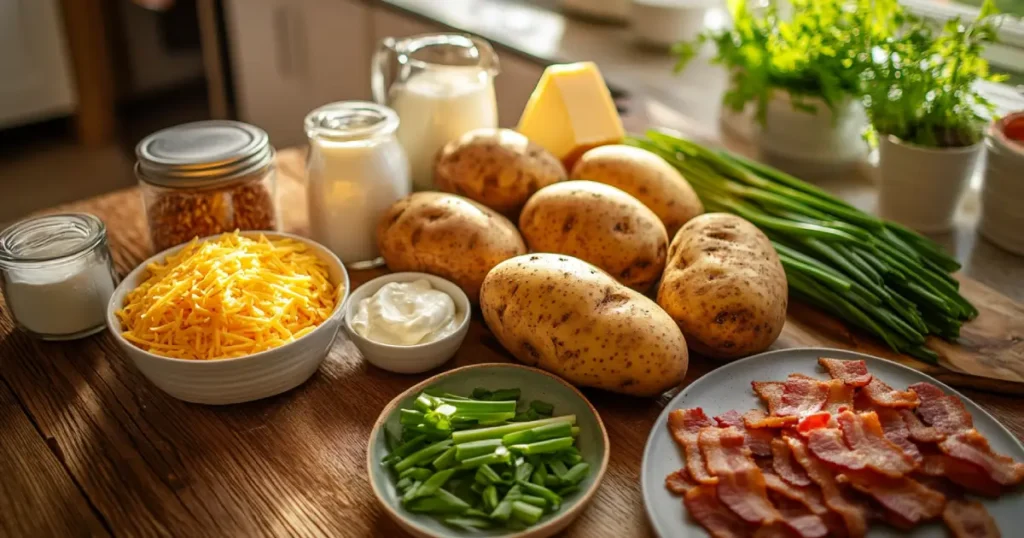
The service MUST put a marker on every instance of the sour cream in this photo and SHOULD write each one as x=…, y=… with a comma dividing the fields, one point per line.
x=406, y=314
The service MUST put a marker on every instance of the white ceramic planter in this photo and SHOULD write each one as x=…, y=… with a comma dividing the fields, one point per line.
x=813, y=146
x=921, y=187
x=1002, y=193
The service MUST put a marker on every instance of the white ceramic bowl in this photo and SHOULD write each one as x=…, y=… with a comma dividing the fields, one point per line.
x=228, y=381
x=420, y=357
x=663, y=23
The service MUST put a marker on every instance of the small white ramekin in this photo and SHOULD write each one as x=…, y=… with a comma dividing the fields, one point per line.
x=228, y=381
x=409, y=359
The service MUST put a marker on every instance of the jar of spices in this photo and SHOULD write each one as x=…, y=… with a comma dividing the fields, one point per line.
x=206, y=178
x=355, y=171
x=57, y=275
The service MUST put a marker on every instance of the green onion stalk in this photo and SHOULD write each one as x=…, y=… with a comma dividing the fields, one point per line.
x=876, y=275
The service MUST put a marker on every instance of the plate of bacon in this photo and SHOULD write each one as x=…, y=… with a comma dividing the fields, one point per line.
x=808, y=443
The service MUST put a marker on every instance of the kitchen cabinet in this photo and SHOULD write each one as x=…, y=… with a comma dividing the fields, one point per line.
x=290, y=56
x=36, y=81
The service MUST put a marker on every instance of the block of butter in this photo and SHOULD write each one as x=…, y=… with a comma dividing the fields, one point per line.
x=571, y=111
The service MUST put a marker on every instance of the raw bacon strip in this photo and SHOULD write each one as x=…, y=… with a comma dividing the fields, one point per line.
x=840, y=397
x=897, y=432
x=802, y=396
x=972, y=447
x=785, y=466
x=883, y=395
x=771, y=393
x=741, y=485
x=946, y=414
x=852, y=373
x=854, y=516
x=966, y=475
x=685, y=425
x=756, y=419
x=704, y=507
x=908, y=498
x=918, y=431
x=758, y=441
x=866, y=446
x=969, y=519
x=679, y=482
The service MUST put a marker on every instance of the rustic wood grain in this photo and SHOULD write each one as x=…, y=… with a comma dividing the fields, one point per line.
x=37, y=498
x=288, y=465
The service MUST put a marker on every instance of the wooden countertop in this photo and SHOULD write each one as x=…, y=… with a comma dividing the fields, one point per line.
x=91, y=448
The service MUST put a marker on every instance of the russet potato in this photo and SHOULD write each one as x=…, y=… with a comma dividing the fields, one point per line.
x=725, y=287
x=599, y=224
x=448, y=236
x=570, y=318
x=645, y=176
x=499, y=168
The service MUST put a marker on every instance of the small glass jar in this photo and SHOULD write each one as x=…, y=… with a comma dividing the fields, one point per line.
x=355, y=171
x=206, y=178
x=57, y=275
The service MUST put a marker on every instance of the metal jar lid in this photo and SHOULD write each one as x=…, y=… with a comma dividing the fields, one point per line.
x=202, y=154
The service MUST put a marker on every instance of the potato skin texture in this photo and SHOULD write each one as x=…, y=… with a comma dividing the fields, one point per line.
x=448, y=236
x=598, y=224
x=647, y=177
x=725, y=287
x=570, y=318
x=499, y=168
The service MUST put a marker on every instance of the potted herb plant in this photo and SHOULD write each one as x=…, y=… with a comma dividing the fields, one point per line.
x=921, y=97
x=802, y=73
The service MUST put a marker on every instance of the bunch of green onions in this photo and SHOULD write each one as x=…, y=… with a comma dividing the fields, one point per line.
x=874, y=274
x=478, y=463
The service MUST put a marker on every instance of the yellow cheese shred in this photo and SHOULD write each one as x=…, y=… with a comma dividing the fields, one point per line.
x=228, y=297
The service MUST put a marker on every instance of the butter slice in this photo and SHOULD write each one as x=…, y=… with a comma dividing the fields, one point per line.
x=571, y=111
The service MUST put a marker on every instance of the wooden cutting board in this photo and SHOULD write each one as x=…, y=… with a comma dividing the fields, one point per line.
x=989, y=356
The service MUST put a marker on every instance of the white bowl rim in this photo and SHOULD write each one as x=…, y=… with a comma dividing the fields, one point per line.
x=461, y=300
x=112, y=307
x=536, y=530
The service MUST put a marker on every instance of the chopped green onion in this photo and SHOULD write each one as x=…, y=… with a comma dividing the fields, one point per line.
x=542, y=408
x=527, y=513
x=445, y=460
x=497, y=432
x=501, y=455
x=416, y=473
x=423, y=455
x=540, y=433
x=543, y=447
x=473, y=449
x=577, y=473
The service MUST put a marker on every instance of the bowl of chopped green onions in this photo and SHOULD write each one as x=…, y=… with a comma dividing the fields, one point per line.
x=487, y=450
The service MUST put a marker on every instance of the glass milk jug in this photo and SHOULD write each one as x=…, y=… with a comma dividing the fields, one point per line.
x=441, y=86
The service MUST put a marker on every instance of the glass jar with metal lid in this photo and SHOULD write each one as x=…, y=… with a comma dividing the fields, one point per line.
x=57, y=275
x=205, y=178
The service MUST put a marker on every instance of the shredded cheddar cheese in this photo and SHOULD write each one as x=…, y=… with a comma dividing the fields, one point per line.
x=228, y=297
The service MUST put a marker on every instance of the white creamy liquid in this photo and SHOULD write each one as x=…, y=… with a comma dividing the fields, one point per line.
x=439, y=105
x=60, y=301
x=350, y=185
x=406, y=314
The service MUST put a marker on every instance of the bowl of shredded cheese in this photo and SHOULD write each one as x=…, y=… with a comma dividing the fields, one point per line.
x=231, y=318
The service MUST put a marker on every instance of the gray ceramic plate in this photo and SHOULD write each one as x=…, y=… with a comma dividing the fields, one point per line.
x=535, y=385
x=729, y=388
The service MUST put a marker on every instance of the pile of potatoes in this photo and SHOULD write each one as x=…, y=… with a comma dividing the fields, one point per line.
x=565, y=290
